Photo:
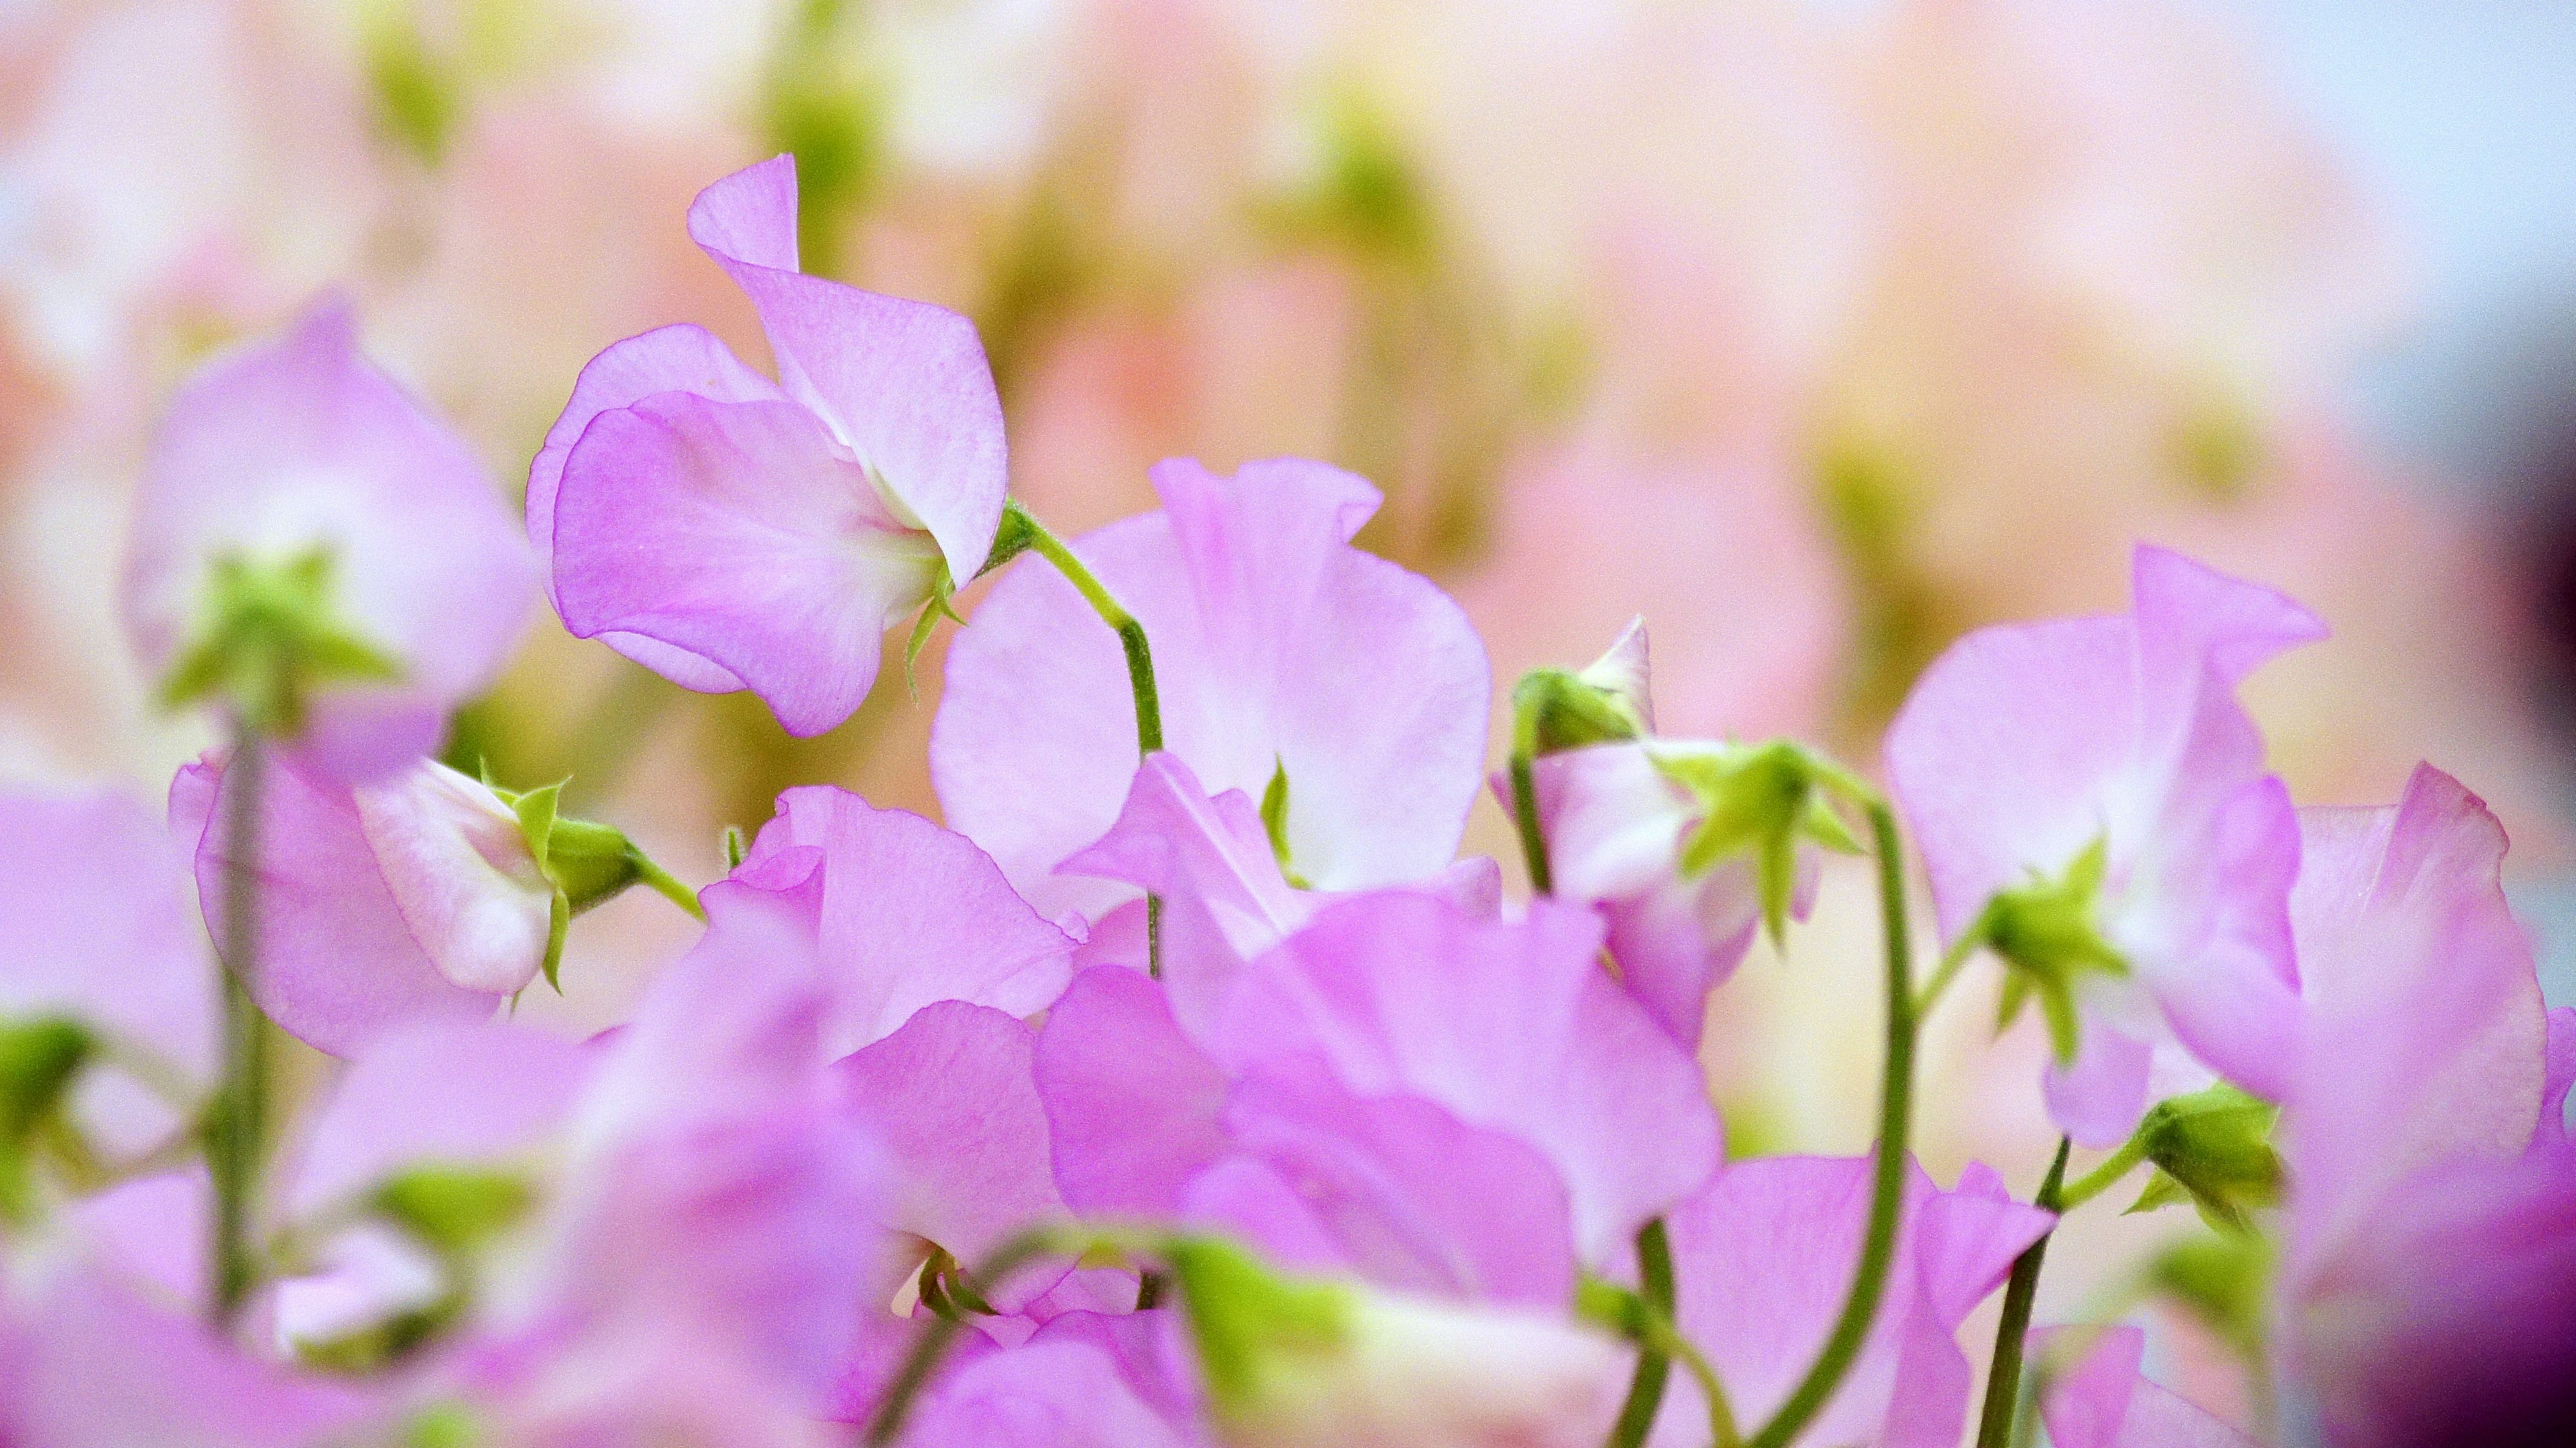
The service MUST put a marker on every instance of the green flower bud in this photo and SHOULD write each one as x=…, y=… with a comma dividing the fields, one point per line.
x=2214, y=1149
x=1606, y=702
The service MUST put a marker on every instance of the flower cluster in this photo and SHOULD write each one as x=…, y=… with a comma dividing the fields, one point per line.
x=1186, y=1088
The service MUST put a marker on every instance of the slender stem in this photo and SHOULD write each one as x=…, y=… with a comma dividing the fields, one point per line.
x=1951, y=960
x=1525, y=819
x=1887, y=1196
x=236, y=1125
x=2003, y=1379
x=940, y=1331
x=670, y=887
x=1721, y=1413
x=1654, y=1359
x=2102, y=1178
x=1140, y=674
x=1131, y=634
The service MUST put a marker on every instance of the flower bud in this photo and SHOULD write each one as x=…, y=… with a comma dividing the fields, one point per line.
x=1302, y=1363
x=1606, y=702
x=2213, y=1148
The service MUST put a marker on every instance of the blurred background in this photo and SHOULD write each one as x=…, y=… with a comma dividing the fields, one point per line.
x=1816, y=332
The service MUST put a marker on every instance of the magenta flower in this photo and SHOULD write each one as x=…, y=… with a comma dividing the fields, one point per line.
x=299, y=455
x=2102, y=1400
x=2091, y=803
x=414, y=898
x=1761, y=1262
x=1282, y=654
x=94, y=927
x=904, y=914
x=730, y=532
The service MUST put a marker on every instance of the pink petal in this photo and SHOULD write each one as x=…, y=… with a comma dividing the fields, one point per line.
x=1133, y=1107
x=955, y=1099
x=1248, y=1199
x=2100, y=1096
x=437, y=1093
x=2105, y=1402
x=902, y=384
x=678, y=358
x=301, y=443
x=2559, y=1075
x=1396, y=992
x=337, y=963
x=1053, y=1393
x=1275, y=645
x=738, y=532
x=460, y=870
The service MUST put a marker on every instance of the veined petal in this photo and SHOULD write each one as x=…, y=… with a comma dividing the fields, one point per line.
x=740, y=533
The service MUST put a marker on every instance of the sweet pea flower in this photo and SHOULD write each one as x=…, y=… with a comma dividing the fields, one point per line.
x=904, y=914
x=413, y=898
x=1286, y=661
x=1761, y=1262
x=97, y=933
x=2091, y=803
x=2102, y=1400
x=2429, y=1274
x=294, y=475
x=732, y=532
x=1069, y=1386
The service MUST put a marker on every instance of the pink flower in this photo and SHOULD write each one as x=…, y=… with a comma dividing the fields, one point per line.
x=94, y=926
x=2102, y=1400
x=904, y=914
x=2091, y=799
x=415, y=898
x=731, y=532
x=300, y=452
x=1280, y=651
x=1763, y=1258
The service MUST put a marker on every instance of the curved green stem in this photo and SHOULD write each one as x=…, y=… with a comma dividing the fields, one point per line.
x=1721, y=1413
x=1654, y=1359
x=236, y=1124
x=2102, y=1178
x=1887, y=1193
x=2003, y=1379
x=1951, y=961
x=665, y=884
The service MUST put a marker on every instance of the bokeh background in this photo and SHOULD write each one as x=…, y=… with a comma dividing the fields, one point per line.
x=1816, y=332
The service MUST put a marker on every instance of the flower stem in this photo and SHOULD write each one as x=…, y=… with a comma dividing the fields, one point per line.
x=2102, y=1178
x=1654, y=1358
x=665, y=884
x=236, y=1126
x=1525, y=804
x=2003, y=1379
x=1887, y=1195
x=1021, y=529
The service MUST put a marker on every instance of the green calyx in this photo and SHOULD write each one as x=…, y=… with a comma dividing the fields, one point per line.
x=588, y=863
x=270, y=637
x=38, y=1060
x=2222, y=1279
x=2213, y=1149
x=1254, y=1329
x=453, y=1209
x=2045, y=932
x=1557, y=709
x=1761, y=801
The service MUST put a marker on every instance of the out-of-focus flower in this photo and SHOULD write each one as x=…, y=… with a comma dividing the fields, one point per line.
x=97, y=939
x=2430, y=1276
x=1286, y=660
x=903, y=913
x=1762, y=1260
x=302, y=511
x=414, y=898
x=2092, y=805
x=1083, y=1381
x=2102, y=1400
x=1304, y=1363
x=731, y=532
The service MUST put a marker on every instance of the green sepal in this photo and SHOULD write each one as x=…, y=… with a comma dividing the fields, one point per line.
x=933, y=609
x=1017, y=534
x=1251, y=1324
x=1762, y=801
x=1555, y=710
x=442, y=1425
x=2045, y=933
x=558, y=930
x=734, y=846
x=1608, y=1305
x=39, y=1057
x=267, y=638
x=537, y=811
x=2213, y=1148
x=372, y=1348
x=453, y=1209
